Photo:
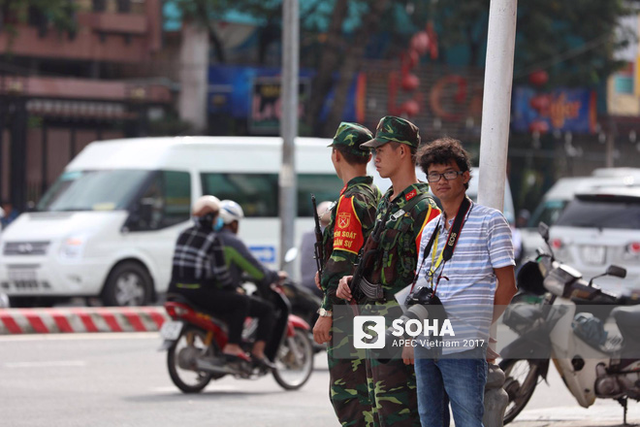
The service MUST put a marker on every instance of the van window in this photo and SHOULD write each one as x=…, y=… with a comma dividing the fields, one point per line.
x=166, y=201
x=93, y=190
x=177, y=190
x=258, y=193
x=324, y=187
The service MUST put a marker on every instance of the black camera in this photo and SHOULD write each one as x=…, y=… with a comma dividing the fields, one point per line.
x=422, y=304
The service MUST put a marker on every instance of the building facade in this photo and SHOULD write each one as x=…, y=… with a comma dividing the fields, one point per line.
x=60, y=90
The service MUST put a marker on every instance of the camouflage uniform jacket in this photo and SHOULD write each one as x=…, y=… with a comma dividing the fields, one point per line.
x=399, y=244
x=352, y=219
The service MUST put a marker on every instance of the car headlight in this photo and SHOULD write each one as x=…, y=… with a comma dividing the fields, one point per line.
x=73, y=247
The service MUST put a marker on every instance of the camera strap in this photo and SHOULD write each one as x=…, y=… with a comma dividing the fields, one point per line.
x=452, y=240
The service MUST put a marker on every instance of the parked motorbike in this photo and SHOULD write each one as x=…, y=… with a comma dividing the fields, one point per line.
x=194, y=340
x=561, y=317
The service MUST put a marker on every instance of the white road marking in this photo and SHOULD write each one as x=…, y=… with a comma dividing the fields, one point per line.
x=46, y=364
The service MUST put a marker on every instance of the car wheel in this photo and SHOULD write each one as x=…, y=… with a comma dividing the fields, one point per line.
x=128, y=284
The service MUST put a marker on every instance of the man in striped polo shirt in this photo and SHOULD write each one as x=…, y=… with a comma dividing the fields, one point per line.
x=474, y=286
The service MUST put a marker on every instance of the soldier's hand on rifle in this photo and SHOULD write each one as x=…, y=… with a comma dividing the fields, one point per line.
x=343, y=288
x=322, y=330
x=317, y=280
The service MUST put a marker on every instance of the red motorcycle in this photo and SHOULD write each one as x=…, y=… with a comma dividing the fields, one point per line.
x=194, y=339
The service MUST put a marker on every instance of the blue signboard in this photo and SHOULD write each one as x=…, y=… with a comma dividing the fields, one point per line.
x=265, y=254
x=571, y=110
x=232, y=90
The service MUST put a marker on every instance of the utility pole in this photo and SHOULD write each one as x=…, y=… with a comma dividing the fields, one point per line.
x=494, y=142
x=289, y=126
x=496, y=103
x=194, y=61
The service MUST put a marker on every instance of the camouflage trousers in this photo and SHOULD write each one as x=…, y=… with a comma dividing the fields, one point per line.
x=391, y=383
x=366, y=392
x=392, y=389
x=348, y=388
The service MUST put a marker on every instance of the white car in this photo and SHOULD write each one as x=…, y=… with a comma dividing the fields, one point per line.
x=599, y=228
x=562, y=192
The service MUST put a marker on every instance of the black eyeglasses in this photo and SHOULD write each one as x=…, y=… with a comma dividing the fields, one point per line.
x=448, y=175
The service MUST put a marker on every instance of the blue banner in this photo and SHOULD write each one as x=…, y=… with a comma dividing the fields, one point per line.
x=571, y=110
x=238, y=90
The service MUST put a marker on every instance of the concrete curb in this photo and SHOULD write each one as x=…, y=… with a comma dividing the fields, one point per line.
x=81, y=319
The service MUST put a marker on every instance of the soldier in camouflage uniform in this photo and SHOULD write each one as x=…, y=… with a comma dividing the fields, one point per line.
x=408, y=207
x=352, y=219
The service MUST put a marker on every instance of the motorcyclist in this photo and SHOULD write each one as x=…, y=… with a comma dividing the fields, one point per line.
x=240, y=261
x=201, y=275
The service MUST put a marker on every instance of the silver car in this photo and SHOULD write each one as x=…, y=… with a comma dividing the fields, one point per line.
x=599, y=228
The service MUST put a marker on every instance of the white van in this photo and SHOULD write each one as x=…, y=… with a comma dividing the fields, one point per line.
x=107, y=227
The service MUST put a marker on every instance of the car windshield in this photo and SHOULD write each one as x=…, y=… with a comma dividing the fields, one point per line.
x=103, y=190
x=609, y=212
x=547, y=212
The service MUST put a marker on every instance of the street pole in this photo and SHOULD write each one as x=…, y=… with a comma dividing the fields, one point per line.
x=194, y=54
x=496, y=103
x=289, y=127
x=494, y=141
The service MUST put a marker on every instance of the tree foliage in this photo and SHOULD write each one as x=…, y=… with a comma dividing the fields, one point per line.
x=573, y=41
x=205, y=12
x=58, y=13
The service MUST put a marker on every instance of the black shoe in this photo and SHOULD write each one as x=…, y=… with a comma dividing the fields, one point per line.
x=263, y=362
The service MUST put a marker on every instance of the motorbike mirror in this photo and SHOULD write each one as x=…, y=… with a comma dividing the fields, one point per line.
x=543, y=229
x=291, y=254
x=615, y=271
x=612, y=270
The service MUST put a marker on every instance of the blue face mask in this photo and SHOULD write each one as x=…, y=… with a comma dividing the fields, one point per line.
x=218, y=224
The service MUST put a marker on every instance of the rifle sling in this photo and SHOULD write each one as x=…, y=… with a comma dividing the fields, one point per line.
x=355, y=284
x=413, y=202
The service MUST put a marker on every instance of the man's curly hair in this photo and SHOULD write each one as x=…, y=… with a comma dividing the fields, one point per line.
x=441, y=152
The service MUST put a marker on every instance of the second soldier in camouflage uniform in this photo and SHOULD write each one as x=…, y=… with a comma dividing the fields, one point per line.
x=407, y=208
x=352, y=219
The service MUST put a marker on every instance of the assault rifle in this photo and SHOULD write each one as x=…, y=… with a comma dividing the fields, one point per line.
x=317, y=246
x=359, y=286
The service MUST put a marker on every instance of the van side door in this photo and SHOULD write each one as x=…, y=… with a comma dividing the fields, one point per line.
x=157, y=217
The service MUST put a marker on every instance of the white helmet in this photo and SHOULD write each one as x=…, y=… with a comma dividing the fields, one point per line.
x=205, y=205
x=230, y=211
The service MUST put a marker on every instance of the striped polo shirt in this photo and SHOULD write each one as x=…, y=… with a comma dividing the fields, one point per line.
x=484, y=244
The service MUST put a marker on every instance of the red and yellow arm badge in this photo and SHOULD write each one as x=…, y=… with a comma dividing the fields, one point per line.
x=347, y=231
x=431, y=214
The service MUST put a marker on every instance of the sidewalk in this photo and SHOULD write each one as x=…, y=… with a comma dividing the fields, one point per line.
x=605, y=413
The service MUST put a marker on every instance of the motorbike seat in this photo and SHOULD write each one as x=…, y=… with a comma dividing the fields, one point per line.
x=627, y=318
x=184, y=300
